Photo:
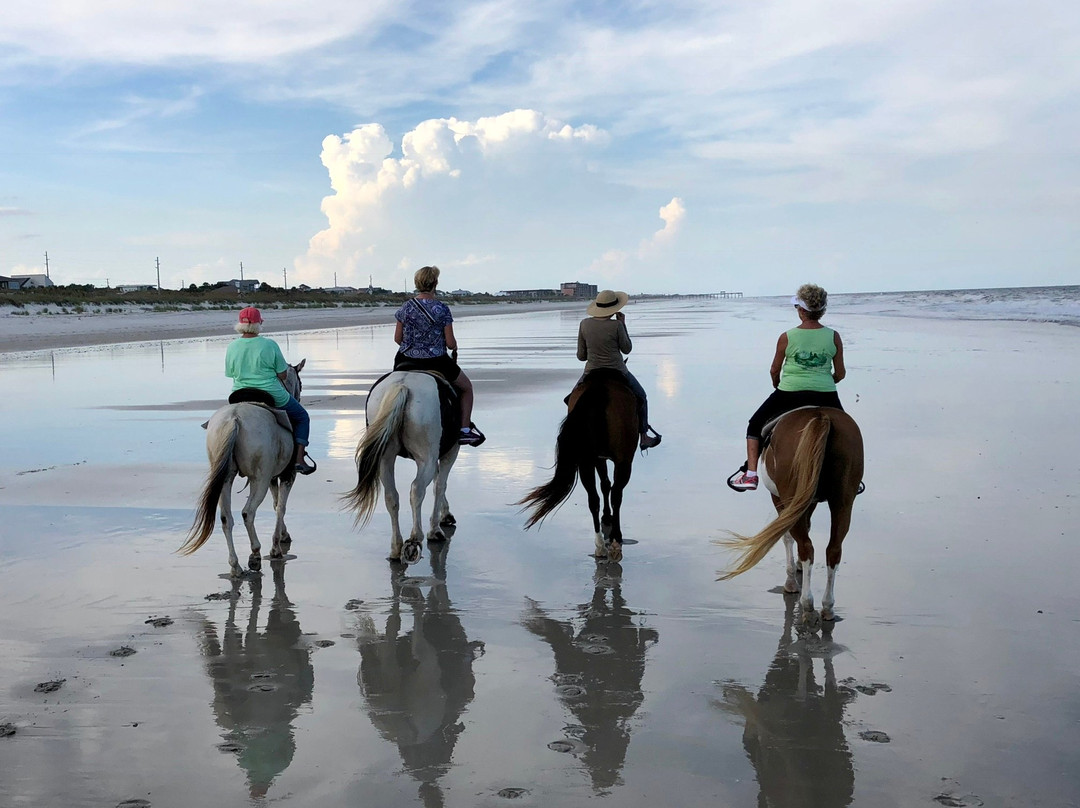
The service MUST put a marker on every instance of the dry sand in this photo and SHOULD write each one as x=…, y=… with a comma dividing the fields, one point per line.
x=508, y=665
x=21, y=331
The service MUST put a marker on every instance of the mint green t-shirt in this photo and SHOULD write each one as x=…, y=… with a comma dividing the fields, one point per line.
x=808, y=360
x=256, y=362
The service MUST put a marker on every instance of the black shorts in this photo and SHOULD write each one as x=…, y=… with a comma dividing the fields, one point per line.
x=782, y=401
x=443, y=365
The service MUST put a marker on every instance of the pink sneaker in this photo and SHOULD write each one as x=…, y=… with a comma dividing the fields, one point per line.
x=743, y=482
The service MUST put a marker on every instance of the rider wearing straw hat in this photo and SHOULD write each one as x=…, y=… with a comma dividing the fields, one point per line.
x=256, y=362
x=808, y=363
x=602, y=341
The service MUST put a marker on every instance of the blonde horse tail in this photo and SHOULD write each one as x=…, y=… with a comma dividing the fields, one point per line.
x=221, y=455
x=372, y=448
x=805, y=472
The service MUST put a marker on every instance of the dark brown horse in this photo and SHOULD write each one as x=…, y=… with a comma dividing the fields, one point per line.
x=601, y=424
x=815, y=454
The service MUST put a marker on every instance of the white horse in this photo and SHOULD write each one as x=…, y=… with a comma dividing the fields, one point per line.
x=407, y=422
x=249, y=440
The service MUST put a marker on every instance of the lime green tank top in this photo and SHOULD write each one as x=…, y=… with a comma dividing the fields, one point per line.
x=808, y=360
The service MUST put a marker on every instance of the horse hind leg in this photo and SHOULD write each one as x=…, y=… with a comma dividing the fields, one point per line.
x=393, y=503
x=227, y=522
x=440, y=514
x=615, y=540
x=605, y=494
x=587, y=475
x=279, y=490
x=256, y=494
x=841, y=521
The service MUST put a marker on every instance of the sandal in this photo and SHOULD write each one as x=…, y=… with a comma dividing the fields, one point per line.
x=307, y=467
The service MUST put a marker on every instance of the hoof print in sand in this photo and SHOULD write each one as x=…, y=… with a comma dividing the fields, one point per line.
x=512, y=793
x=159, y=622
x=353, y=605
x=49, y=687
x=323, y=643
x=122, y=651
x=218, y=596
x=7, y=730
x=874, y=735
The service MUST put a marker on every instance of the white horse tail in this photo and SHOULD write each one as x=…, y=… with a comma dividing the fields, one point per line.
x=369, y=454
x=805, y=473
x=220, y=445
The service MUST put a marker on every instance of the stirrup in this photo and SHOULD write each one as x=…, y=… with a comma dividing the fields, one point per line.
x=742, y=468
x=307, y=467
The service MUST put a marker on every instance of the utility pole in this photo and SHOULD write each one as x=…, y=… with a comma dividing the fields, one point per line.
x=46, y=263
x=285, y=274
x=157, y=265
x=335, y=280
x=241, y=270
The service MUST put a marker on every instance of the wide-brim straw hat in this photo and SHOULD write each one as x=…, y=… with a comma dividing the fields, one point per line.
x=607, y=303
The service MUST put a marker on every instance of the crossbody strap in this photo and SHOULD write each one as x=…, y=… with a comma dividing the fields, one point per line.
x=425, y=312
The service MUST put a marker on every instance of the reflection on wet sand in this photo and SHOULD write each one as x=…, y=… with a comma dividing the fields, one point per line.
x=794, y=731
x=261, y=680
x=599, y=664
x=418, y=681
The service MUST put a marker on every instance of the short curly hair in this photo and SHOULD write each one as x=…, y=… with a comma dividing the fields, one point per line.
x=426, y=279
x=815, y=298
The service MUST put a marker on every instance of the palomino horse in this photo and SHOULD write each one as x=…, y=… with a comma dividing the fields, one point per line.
x=407, y=422
x=247, y=439
x=815, y=454
x=601, y=424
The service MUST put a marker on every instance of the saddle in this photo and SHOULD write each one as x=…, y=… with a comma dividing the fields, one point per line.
x=770, y=425
x=251, y=395
x=449, y=408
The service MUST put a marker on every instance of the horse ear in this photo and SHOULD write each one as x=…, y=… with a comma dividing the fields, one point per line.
x=300, y=366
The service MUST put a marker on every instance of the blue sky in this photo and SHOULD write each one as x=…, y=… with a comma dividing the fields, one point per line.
x=647, y=146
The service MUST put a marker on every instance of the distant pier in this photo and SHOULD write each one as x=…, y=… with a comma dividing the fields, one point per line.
x=711, y=296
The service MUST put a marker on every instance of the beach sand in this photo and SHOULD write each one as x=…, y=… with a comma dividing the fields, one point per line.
x=509, y=666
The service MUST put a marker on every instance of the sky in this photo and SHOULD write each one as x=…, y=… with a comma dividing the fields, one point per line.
x=653, y=147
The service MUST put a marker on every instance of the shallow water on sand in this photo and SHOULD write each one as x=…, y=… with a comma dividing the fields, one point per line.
x=509, y=666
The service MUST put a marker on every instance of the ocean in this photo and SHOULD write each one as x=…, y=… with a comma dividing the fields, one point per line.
x=1039, y=304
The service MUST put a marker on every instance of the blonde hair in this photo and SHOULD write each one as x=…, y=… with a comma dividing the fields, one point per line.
x=426, y=279
x=815, y=297
x=247, y=328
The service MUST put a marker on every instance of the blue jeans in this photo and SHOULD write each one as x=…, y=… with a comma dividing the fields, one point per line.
x=301, y=422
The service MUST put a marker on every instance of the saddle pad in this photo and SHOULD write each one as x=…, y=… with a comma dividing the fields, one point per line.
x=449, y=409
x=770, y=425
x=281, y=416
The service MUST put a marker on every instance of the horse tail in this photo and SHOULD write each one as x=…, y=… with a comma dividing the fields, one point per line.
x=369, y=454
x=574, y=442
x=806, y=473
x=220, y=448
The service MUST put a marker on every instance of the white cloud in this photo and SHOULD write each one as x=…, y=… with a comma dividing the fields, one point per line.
x=379, y=198
x=614, y=264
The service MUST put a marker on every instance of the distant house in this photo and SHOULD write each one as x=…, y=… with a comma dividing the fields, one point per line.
x=10, y=283
x=576, y=289
x=245, y=284
x=33, y=281
x=338, y=290
x=530, y=293
x=461, y=293
x=135, y=287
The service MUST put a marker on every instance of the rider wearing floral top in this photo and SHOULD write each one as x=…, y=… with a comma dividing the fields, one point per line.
x=808, y=363
x=424, y=332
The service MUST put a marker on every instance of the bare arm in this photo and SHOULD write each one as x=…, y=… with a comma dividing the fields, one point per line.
x=839, y=371
x=399, y=333
x=451, y=340
x=778, y=360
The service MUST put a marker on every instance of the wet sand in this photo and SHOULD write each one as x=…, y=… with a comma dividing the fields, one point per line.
x=509, y=666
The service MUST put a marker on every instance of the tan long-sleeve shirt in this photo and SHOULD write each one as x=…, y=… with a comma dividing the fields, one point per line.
x=601, y=343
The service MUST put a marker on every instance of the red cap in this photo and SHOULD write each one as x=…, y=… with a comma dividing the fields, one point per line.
x=250, y=315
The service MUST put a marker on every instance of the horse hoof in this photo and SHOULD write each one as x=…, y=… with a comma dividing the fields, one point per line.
x=255, y=562
x=614, y=552
x=411, y=552
x=448, y=520
x=276, y=555
x=436, y=536
x=791, y=586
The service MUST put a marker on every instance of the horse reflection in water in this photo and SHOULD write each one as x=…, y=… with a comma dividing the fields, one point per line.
x=794, y=729
x=418, y=680
x=261, y=680
x=599, y=665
